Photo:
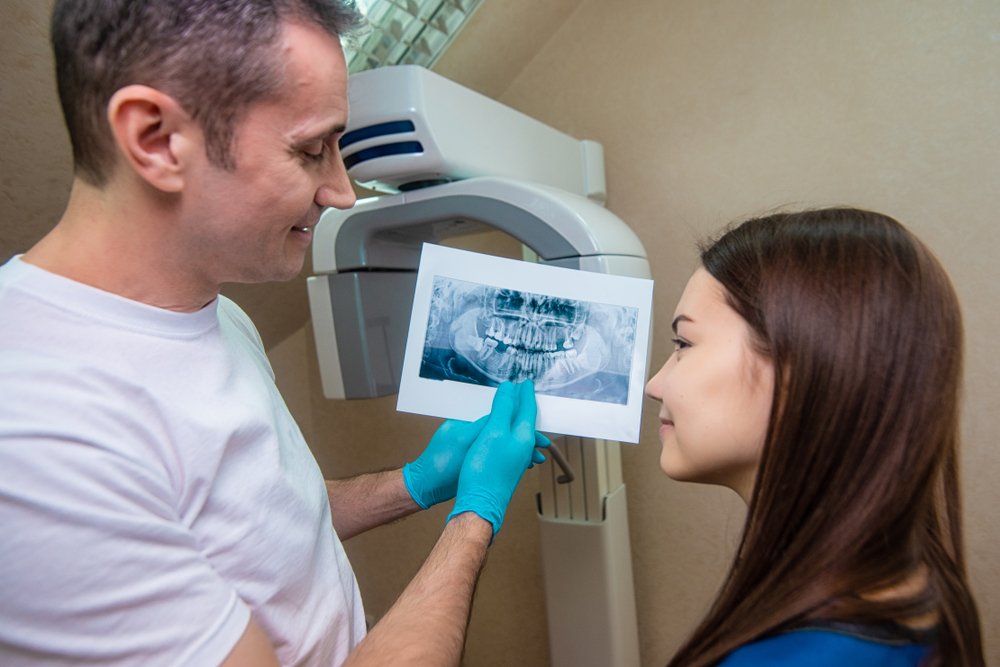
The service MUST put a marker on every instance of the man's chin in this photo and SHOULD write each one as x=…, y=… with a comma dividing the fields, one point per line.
x=288, y=272
x=282, y=272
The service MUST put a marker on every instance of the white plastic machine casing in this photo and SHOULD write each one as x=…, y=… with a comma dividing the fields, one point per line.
x=593, y=231
x=598, y=241
x=456, y=162
x=461, y=134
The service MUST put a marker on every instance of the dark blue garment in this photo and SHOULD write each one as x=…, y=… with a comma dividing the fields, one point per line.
x=826, y=648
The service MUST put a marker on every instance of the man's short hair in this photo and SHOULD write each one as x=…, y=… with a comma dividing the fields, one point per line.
x=215, y=57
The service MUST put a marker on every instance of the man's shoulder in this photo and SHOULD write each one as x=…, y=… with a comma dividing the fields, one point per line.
x=237, y=323
x=41, y=341
x=230, y=311
x=57, y=380
x=15, y=291
x=34, y=313
x=54, y=360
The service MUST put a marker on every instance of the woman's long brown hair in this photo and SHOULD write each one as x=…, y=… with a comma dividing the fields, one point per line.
x=857, y=488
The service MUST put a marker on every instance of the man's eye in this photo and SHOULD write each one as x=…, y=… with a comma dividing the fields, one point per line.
x=315, y=153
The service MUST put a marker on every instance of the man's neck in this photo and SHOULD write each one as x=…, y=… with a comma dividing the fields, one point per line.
x=122, y=243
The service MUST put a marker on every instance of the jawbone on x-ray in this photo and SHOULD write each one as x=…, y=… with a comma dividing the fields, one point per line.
x=485, y=335
x=479, y=320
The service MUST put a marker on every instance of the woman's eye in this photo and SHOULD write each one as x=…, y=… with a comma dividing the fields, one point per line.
x=680, y=344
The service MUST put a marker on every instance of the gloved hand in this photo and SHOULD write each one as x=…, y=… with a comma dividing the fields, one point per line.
x=433, y=477
x=500, y=454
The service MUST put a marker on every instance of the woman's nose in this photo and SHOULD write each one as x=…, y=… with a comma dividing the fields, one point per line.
x=653, y=387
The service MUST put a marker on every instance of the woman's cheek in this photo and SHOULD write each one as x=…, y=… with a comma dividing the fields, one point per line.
x=676, y=396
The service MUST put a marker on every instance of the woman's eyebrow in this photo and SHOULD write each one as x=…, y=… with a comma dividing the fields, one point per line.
x=680, y=318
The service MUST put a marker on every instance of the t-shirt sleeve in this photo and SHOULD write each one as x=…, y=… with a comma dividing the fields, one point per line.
x=95, y=565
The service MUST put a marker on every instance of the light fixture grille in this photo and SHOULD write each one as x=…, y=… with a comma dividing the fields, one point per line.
x=406, y=32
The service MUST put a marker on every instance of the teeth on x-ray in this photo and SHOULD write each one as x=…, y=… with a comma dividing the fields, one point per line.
x=487, y=335
x=518, y=336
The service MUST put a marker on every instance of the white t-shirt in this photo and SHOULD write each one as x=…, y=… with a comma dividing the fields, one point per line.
x=154, y=488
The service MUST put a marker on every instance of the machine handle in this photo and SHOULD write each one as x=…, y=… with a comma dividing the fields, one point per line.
x=557, y=456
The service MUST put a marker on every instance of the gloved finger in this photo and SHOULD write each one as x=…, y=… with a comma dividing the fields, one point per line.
x=542, y=440
x=505, y=403
x=470, y=430
x=458, y=429
x=524, y=420
x=537, y=457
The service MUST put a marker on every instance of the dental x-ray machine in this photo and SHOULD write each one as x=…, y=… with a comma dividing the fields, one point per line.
x=454, y=162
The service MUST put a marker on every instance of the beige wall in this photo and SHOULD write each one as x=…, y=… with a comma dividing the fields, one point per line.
x=709, y=111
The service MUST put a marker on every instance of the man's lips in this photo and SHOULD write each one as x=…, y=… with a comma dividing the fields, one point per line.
x=306, y=228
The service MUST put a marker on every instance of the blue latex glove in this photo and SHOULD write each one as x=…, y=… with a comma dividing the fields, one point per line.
x=500, y=454
x=433, y=477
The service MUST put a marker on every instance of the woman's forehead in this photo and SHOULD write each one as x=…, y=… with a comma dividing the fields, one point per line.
x=704, y=299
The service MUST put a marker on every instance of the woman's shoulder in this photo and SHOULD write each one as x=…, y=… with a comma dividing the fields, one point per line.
x=831, y=644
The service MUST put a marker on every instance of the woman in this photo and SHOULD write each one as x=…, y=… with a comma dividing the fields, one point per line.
x=816, y=372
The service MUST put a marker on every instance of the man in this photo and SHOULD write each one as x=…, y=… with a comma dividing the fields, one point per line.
x=159, y=503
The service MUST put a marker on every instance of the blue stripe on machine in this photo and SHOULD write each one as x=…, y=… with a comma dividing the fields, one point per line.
x=399, y=148
x=379, y=130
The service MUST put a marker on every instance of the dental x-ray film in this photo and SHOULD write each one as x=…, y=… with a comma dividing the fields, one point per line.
x=480, y=320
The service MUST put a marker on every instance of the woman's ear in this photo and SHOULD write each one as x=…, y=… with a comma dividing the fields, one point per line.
x=153, y=132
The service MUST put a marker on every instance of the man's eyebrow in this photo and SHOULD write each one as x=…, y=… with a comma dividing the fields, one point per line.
x=680, y=318
x=321, y=135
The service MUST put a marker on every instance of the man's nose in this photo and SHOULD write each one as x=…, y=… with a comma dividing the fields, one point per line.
x=335, y=189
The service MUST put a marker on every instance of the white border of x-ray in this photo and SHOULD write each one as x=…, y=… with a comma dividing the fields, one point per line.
x=556, y=414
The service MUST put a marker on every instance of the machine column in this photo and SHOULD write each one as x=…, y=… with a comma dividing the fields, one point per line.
x=587, y=559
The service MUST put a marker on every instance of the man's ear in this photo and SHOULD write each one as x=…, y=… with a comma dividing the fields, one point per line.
x=155, y=135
